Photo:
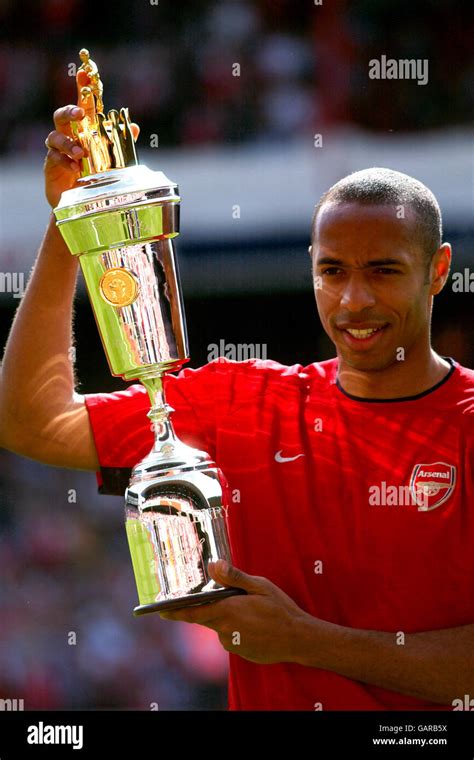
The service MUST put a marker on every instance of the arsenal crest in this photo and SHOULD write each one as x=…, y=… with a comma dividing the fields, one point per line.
x=432, y=484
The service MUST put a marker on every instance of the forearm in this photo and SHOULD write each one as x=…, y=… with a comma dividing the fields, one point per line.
x=37, y=369
x=434, y=665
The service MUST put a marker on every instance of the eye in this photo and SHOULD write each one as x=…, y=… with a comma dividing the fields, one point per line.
x=331, y=271
x=386, y=270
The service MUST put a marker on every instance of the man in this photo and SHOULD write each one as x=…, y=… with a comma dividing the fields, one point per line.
x=354, y=527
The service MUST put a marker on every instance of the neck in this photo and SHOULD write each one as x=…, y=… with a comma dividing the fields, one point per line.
x=415, y=375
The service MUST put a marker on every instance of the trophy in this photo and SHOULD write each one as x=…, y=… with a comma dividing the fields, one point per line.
x=121, y=219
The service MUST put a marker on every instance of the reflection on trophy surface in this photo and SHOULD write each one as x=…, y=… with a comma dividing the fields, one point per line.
x=120, y=220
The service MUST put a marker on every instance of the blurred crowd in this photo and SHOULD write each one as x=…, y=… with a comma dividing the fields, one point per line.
x=235, y=71
x=68, y=638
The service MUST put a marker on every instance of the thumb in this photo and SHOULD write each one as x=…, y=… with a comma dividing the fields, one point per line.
x=222, y=572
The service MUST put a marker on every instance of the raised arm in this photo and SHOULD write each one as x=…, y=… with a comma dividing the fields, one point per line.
x=41, y=415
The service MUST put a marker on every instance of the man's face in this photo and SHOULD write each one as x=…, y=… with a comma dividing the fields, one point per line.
x=371, y=283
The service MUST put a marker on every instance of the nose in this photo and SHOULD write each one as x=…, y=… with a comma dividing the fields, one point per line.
x=357, y=293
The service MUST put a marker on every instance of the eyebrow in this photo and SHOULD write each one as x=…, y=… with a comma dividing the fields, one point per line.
x=373, y=263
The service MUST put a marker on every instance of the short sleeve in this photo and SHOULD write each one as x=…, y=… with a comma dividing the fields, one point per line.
x=122, y=431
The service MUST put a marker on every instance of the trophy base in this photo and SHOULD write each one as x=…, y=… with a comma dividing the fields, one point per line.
x=190, y=600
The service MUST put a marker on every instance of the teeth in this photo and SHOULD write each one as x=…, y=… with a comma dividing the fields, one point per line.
x=363, y=333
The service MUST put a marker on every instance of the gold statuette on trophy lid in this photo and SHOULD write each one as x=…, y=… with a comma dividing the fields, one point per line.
x=89, y=67
x=107, y=139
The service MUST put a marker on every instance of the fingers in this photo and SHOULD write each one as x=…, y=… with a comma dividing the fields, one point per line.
x=61, y=139
x=54, y=159
x=64, y=116
x=202, y=614
x=222, y=572
x=63, y=144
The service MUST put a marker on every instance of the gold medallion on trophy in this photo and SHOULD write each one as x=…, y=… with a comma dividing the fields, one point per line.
x=119, y=287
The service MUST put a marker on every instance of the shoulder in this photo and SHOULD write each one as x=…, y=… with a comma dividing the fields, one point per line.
x=135, y=397
x=232, y=384
x=261, y=372
x=221, y=377
x=462, y=395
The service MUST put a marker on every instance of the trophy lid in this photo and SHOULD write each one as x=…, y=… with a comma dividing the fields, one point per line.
x=117, y=187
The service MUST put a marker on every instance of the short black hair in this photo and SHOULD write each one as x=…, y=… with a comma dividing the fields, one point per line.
x=386, y=187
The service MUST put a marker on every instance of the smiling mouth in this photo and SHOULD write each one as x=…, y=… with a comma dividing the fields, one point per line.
x=363, y=337
x=361, y=334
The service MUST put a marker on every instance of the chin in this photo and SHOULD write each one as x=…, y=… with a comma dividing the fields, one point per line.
x=366, y=363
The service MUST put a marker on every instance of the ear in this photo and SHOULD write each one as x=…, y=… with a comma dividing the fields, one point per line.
x=439, y=269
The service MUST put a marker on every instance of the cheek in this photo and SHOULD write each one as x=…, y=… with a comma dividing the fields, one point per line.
x=321, y=304
x=411, y=309
x=417, y=314
x=327, y=300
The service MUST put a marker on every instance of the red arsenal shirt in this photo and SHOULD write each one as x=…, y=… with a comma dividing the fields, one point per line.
x=362, y=511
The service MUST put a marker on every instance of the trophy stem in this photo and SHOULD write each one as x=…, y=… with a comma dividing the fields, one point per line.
x=160, y=416
x=155, y=390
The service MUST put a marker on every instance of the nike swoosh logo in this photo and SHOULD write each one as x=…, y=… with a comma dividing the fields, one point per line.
x=280, y=458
